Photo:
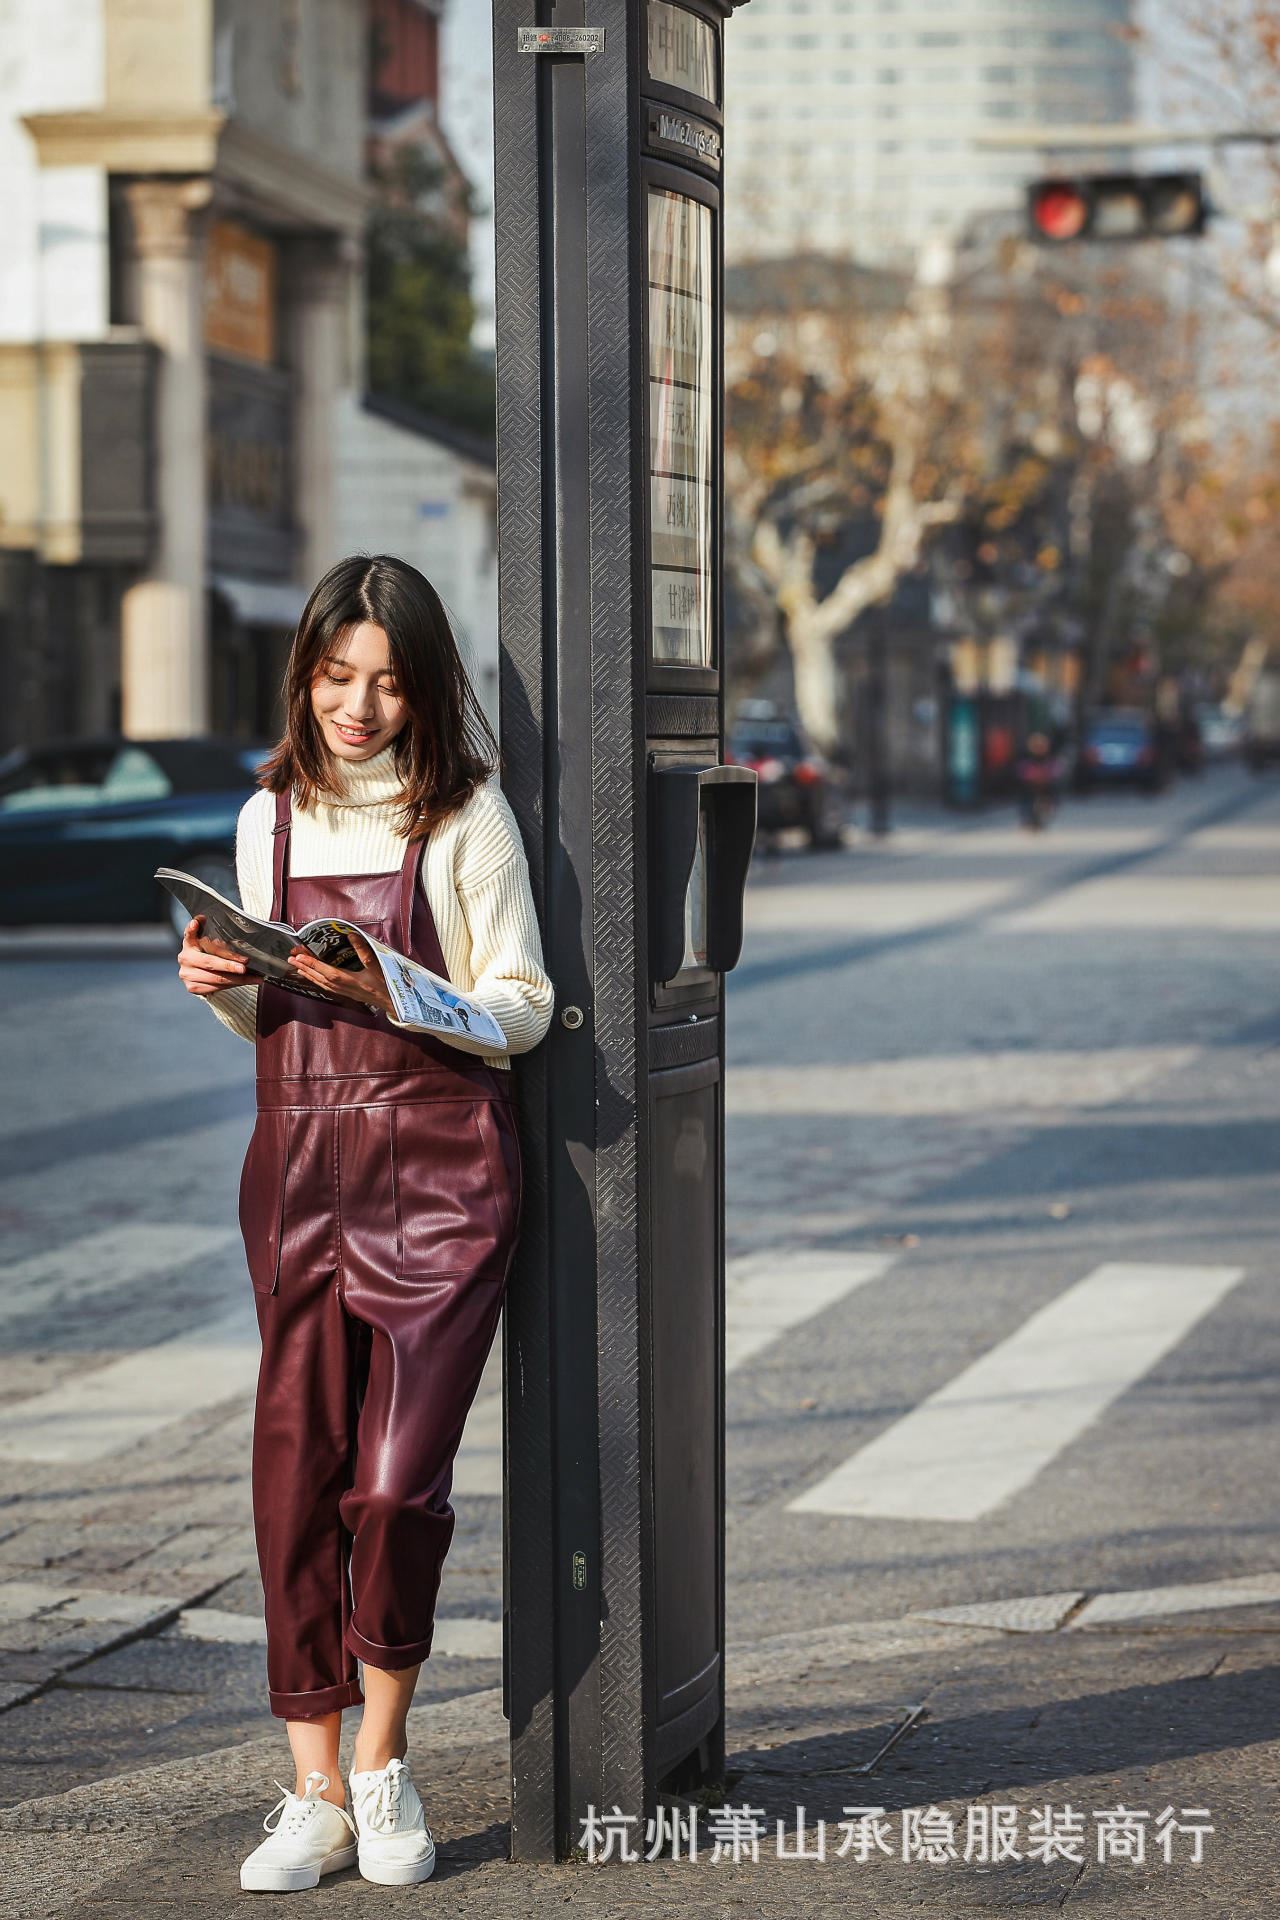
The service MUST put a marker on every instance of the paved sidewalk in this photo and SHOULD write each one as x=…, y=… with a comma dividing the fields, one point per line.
x=1140, y=1732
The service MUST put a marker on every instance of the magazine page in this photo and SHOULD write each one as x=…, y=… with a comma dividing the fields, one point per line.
x=423, y=1000
x=330, y=941
x=264, y=944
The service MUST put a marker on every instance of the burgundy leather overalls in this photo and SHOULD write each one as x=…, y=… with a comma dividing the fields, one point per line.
x=380, y=1206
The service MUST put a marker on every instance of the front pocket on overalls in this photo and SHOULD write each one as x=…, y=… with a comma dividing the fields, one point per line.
x=450, y=1214
x=262, y=1188
x=496, y=1121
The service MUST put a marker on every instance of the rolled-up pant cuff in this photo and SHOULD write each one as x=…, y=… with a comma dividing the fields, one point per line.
x=389, y=1659
x=314, y=1706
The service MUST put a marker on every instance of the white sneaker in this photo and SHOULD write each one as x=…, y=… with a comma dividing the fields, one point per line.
x=310, y=1838
x=396, y=1847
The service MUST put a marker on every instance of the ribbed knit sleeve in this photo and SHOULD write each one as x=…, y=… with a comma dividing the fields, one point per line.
x=491, y=877
x=237, y=1007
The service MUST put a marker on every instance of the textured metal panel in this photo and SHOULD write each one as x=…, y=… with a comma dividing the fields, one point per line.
x=618, y=882
x=681, y=1045
x=527, y=1369
x=679, y=716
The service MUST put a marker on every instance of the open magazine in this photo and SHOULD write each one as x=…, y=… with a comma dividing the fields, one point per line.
x=421, y=998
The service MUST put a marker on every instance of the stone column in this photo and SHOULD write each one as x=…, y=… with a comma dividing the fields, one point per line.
x=164, y=621
x=320, y=280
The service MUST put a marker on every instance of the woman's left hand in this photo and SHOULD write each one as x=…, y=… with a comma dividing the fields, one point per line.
x=367, y=987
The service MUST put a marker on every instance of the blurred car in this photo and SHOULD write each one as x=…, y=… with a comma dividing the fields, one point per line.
x=1262, y=723
x=795, y=786
x=1121, y=746
x=85, y=823
x=1221, y=731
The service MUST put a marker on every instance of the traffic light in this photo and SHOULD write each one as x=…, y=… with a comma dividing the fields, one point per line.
x=1117, y=206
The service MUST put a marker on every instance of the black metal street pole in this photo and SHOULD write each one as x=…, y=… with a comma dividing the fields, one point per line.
x=607, y=204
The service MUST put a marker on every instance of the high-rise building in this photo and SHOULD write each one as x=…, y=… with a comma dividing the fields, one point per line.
x=851, y=125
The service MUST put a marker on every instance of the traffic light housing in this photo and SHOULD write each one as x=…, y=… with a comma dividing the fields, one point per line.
x=1117, y=206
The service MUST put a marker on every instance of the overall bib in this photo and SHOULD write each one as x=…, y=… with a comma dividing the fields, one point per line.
x=380, y=1207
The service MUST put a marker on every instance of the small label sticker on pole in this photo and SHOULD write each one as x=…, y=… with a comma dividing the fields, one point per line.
x=560, y=40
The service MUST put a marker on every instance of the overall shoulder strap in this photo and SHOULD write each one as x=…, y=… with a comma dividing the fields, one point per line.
x=409, y=870
x=280, y=852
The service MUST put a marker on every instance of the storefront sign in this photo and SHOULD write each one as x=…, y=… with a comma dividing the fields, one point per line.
x=682, y=51
x=240, y=293
x=681, y=368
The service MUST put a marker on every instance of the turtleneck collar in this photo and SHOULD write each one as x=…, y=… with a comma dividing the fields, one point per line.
x=363, y=783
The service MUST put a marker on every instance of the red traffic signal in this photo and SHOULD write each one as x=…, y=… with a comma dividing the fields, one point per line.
x=1117, y=206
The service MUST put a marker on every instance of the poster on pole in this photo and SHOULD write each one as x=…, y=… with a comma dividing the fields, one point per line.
x=683, y=50
x=681, y=399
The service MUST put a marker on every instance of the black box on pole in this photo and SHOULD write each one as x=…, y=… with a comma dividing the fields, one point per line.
x=608, y=148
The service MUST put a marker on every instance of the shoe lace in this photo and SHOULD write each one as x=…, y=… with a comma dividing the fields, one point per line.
x=384, y=1803
x=293, y=1810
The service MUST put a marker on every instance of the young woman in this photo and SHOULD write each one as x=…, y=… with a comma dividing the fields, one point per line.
x=381, y=1193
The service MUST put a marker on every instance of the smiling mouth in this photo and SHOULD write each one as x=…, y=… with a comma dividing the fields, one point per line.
x=356, y=735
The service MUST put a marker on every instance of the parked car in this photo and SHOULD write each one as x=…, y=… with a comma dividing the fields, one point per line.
x=795, y=786
x=85, y=823
x=1221, y=730
x=1262, y=723
x=1121, y=746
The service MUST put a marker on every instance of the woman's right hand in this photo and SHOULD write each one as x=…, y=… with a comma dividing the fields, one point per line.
x=203, y=972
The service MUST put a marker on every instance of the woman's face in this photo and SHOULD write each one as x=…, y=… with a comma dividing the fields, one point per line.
x=354, y=697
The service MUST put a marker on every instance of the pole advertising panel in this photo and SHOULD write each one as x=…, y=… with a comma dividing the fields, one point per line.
x=608, y=148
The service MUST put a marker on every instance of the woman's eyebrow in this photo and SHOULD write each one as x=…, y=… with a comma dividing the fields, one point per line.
x=336, y=660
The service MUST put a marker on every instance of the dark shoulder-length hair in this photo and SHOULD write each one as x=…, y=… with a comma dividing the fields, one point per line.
x=446, y=748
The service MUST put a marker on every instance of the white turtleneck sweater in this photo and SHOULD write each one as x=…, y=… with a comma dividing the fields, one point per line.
x=474, y=874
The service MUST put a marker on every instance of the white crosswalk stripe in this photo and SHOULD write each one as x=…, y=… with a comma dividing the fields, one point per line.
x=988, y=1433
x=768, y=1293
x=106, y=1408
x=61, y=1277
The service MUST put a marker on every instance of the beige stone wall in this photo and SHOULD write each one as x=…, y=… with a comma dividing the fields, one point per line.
x=159, y=55
x=40, y=433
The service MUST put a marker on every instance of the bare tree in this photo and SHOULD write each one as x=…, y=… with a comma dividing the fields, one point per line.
x=1008, y=425
x=831, y=421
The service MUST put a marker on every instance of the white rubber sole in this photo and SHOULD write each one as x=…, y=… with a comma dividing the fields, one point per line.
x=268, y=1879
x=389, y=1874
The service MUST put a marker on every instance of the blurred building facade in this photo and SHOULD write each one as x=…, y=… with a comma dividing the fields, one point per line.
x=851, y=124
x=188, y=439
